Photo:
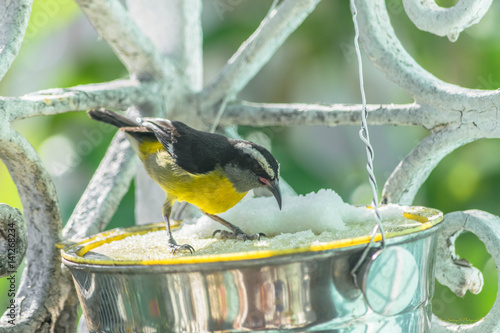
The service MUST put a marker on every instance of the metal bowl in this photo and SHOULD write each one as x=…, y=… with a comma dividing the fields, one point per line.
x=301, y=289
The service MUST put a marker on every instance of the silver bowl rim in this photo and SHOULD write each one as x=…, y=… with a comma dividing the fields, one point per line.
x=69, y=253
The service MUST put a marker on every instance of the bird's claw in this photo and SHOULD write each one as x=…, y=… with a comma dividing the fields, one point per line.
x=183, y=247
x=237, y=234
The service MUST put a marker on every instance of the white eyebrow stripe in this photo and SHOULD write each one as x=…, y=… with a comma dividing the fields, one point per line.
x=248, y=149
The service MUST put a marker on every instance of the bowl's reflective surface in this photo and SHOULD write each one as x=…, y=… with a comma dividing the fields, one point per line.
x=306, y=291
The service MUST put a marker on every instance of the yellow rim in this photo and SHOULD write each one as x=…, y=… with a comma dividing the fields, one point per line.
x=74, y=252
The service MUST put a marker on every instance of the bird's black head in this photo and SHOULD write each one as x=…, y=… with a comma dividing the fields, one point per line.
x=253, y=166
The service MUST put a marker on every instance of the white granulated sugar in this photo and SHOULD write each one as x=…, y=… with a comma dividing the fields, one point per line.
x=318, y=212
x=314, y=218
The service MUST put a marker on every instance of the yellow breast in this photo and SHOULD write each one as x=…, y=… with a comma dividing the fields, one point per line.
x=211, y=192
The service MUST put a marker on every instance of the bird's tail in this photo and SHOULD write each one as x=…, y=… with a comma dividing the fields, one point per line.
x=134, y=129
x=111, y=117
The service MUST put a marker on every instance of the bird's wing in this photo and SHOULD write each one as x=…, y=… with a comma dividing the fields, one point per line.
x=194, y=151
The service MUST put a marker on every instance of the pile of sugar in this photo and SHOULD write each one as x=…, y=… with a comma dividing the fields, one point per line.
x=303, y=221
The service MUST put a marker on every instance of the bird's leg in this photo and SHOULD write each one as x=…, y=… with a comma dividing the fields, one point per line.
x=175, y=218
x=235, y=233
x=166, y=210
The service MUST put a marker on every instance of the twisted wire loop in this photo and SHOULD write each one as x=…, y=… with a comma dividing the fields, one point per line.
x=365, y=138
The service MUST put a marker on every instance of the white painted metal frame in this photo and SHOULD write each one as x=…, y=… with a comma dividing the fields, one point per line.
x=166, y=74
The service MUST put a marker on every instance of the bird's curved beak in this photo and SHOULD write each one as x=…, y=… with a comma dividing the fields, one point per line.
x=274, y=187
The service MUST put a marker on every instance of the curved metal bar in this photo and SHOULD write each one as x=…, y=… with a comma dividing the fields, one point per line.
x=428, y=16
x=42, y=291
x=413, y=170
x=15, y=17
x=131, y=45
x=389, y=56
x=476, y=108
x=264, y=43
x=461, y=277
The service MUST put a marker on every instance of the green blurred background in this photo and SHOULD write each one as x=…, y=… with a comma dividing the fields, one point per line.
x=316, y=65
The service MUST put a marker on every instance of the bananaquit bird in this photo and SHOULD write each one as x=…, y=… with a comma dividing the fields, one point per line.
x=207, y=170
